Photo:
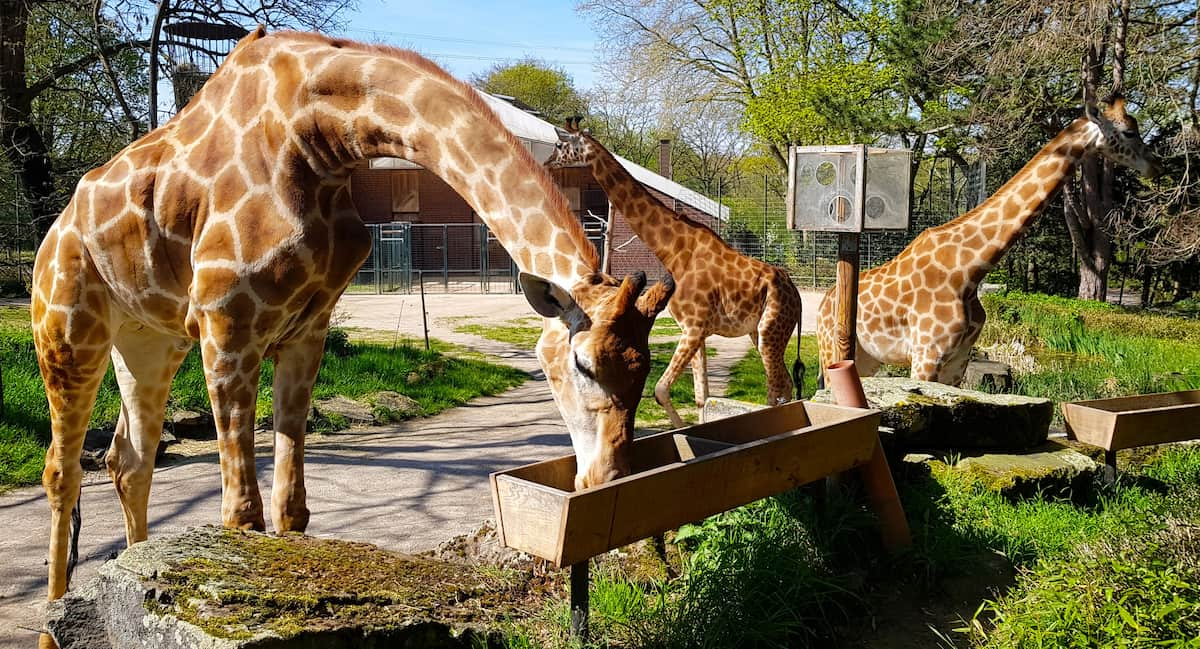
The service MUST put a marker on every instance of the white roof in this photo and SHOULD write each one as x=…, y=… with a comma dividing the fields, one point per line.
x=540, y=137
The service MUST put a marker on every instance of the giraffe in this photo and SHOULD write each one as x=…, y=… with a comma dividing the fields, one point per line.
x=922, y=309
x=232, y=226
x=719, y=291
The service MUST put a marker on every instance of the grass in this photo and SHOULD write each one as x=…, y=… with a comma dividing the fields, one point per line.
x=437, y=380
x=1088, y=350
x=1118, y=570
x=748, y=379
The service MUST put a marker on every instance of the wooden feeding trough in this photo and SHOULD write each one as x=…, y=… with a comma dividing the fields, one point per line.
x=1128, y=422
x=679, y=477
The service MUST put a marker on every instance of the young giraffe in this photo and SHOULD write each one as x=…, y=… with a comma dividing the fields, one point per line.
x=233, y=225
x=922, y=308
x=720, y=291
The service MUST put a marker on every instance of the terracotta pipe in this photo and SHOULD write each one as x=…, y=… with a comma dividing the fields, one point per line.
x=876, y=475
x=846, y=386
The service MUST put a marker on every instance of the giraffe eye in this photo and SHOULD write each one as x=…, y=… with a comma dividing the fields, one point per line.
x=583, y=368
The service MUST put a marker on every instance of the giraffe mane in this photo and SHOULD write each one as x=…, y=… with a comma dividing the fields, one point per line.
x=560, y=215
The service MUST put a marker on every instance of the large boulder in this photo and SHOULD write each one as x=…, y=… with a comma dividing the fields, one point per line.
x=223, y=589
x=1053, y=470
x=922, y=414
x=190, y=424
x=343, y=412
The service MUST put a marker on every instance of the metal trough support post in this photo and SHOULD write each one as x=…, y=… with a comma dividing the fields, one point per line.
x=1108, y=474
x=579, y=601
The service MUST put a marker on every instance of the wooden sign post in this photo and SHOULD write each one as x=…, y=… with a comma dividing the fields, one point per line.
x=848, y=190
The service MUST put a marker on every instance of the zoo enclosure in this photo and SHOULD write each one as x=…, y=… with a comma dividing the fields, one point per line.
x=467, y=258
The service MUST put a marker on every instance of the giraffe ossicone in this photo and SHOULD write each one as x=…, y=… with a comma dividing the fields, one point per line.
x=921, y=309
x=232, y=225
x=719, y=290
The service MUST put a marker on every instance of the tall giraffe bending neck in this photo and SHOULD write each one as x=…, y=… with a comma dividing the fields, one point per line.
x=232, y=225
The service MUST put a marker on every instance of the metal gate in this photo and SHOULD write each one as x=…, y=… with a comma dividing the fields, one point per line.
x=443, y=257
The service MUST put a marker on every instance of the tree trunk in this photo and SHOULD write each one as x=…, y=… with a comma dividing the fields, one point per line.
x=1147, y=283
x=1087, y=202
x=22, y=143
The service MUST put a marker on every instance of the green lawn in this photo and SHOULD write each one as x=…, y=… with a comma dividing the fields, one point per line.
x=437, y=380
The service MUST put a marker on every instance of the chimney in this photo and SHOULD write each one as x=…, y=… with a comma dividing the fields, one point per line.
x=664, y=158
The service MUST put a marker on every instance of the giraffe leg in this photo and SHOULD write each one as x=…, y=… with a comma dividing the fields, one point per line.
x=144, y=362
x=232, y=364
x=700, y=374
x=774, y=334
x=296, y=366
x=866, y=364
x=926, y=363
x=683, y=355
x=72, y=344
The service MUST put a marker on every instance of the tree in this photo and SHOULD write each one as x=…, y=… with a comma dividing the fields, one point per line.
x=537, y=84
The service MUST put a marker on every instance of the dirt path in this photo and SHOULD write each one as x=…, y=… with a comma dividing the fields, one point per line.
x=404, y=487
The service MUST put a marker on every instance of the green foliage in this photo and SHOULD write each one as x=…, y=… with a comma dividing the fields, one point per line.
x=1130, y=578
x=1089, y=350
x=537, y=84
x=521, y=335
x=748, y=379
x=435, y=379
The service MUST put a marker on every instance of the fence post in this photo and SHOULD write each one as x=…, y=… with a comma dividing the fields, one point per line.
x=483, y=257
x=764, y=234
x=376, y=251
x=446, y=257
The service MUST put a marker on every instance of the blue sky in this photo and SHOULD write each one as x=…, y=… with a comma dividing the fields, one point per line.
x=469, y=36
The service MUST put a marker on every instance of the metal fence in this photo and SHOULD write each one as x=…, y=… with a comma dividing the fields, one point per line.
x=447, y=258
x=467, y=258
x=756, y=225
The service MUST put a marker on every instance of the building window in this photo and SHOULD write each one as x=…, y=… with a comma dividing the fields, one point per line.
x=406, y=197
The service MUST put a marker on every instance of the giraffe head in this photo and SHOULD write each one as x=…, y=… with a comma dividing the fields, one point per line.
x=597, y=356
x=572, y=147
x=1119, y=139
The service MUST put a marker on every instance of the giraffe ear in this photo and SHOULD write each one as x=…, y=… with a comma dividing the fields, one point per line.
x=549, y=299
x=656, y=297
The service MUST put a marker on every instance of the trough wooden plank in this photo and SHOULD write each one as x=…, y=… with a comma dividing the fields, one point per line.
x=690, y=448
x=531, y=515
x=666, y=498
x=1128, y=422
x=679, y=477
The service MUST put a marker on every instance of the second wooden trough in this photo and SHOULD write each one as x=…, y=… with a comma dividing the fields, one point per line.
x=1126, y=422
x=679, y=477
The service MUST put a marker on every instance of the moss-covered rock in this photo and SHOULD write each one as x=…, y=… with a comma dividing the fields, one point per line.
x=922, y=414
x=1052, y=469
x=216, y=588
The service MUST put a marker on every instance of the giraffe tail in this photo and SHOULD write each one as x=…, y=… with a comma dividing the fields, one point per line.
x=73, y=537
x=798, y=368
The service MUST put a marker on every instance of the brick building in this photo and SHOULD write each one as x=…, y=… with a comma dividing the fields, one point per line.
x=390, y=189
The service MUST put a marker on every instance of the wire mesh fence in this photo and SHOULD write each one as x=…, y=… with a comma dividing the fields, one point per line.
x=18, y=241
x=756, y=224
x=467, y=258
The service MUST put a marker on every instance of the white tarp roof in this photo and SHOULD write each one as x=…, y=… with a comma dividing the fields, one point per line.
x=540, y=137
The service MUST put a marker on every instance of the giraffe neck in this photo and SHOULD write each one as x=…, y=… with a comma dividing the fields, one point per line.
x=365, y=102
x=995, y=225
x=668, y=235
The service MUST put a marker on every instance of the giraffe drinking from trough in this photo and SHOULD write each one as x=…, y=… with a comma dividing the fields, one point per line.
x=232, y=225
x=719, y=290
x=922, y=309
